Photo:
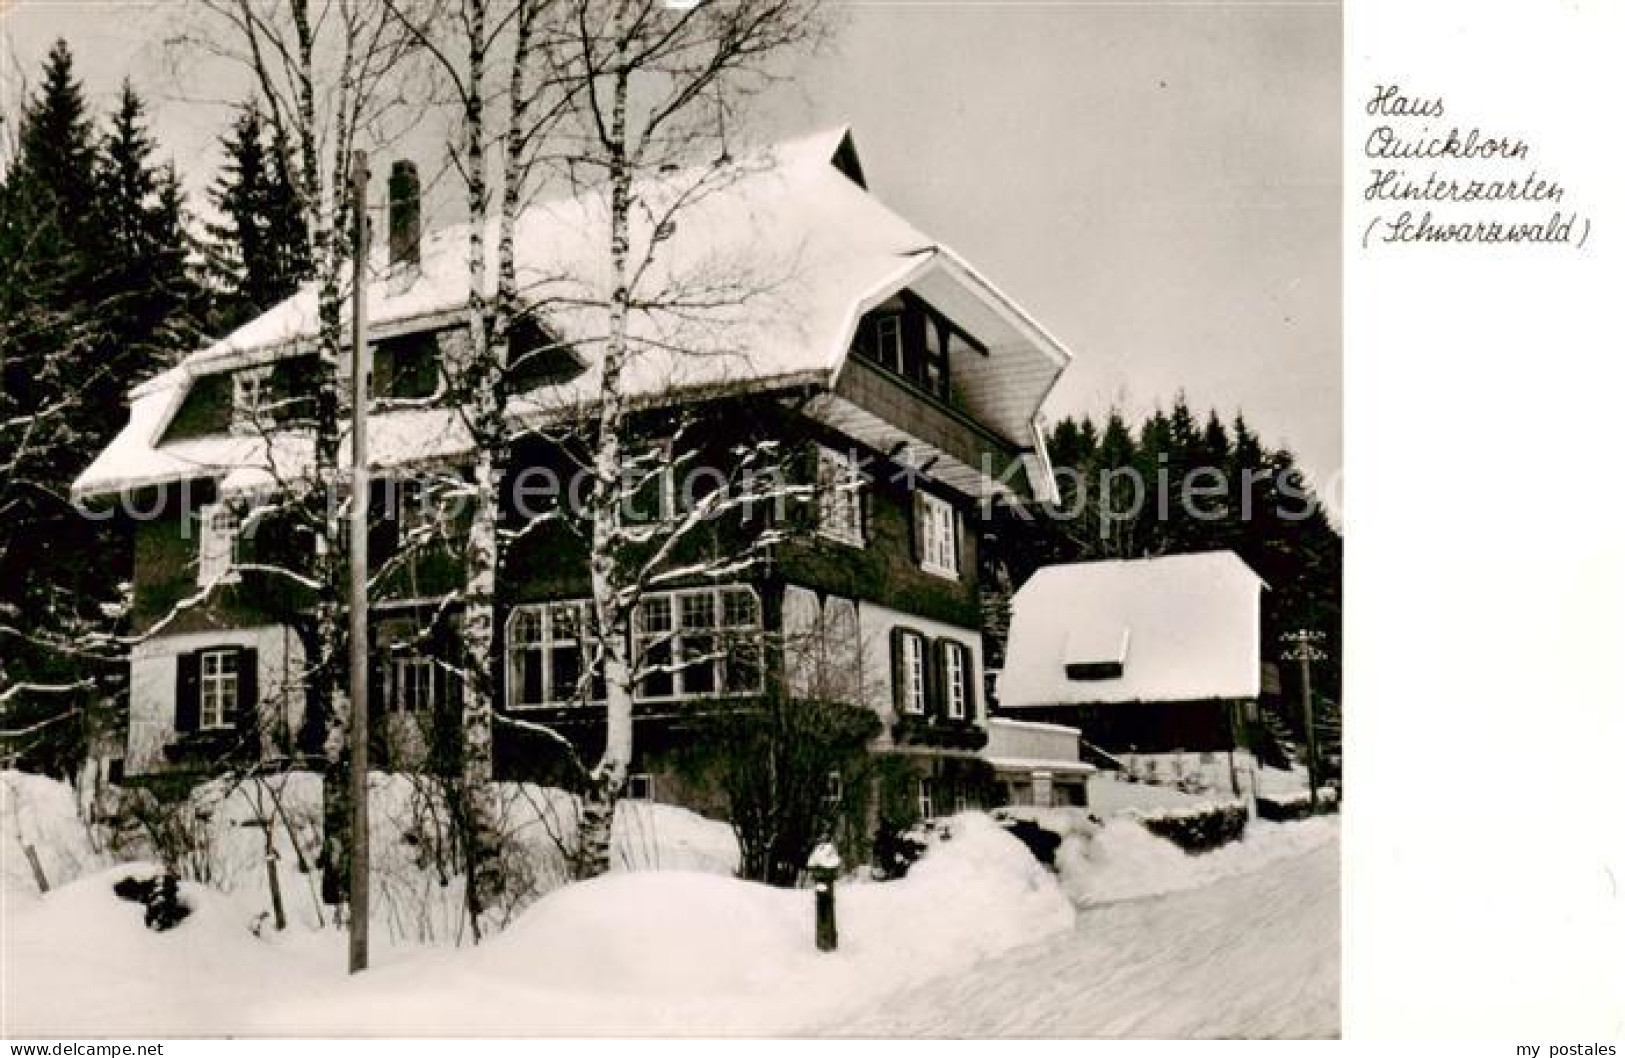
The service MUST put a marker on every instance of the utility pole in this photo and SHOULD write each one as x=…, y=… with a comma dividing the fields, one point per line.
x=359, y=398
x=1302, y=647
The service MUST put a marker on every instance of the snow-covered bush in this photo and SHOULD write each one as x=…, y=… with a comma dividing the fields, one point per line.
x=1200, y=829
x=1297, y=805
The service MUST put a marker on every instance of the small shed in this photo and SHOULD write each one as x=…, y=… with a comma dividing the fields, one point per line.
x=1152, y=655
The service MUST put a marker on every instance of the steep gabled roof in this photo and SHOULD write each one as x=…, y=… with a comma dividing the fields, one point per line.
x=1173, y=628
x=764, y=273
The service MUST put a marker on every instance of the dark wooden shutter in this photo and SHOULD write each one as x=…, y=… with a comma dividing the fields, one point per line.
x=972, y=678
x=916, y=531
x=186, y=692
x=247, y=706
x=899, y=682
x=936, y=679
x=959, y=541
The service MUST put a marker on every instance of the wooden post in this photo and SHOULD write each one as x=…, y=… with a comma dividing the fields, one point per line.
x=359, y=399
x=1309, y=733
x=34, y=865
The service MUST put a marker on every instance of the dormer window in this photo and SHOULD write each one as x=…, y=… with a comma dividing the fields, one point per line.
x=406, y=367
x=250, y=398
x=915, y=342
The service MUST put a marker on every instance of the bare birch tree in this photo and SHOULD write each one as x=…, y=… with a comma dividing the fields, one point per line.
x=330, y=75
x=649, y=86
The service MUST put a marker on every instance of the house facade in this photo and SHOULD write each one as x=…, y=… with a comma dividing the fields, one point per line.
x=900, y=388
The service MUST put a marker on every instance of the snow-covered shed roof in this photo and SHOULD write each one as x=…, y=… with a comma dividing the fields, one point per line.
x=1173, y=628
x=784, y=250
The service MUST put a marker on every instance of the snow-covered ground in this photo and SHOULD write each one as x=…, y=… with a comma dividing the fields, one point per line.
x=685, y=948
x=651, y=952
x=1253, y=955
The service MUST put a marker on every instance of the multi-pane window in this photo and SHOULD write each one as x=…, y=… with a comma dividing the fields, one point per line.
x=913, y=672
x=412, y=684
x=217, y=689
x=928, y=808
x=217, y=542
x=955, y=673
x=699, y=642
x=548, y=648
x=250, y=397
x=909, y=339
x=938, y=527
x=840, y=500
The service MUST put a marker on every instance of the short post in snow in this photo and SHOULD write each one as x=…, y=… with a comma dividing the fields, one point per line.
x=824, y=864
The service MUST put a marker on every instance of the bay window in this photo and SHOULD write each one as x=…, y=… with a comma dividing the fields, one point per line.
x=698, y=643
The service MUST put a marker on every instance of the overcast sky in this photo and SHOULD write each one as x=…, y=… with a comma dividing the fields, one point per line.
x=1158, y=183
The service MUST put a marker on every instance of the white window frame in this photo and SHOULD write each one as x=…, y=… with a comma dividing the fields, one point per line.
x=913, y=664
x=217, y=689
x=727, y=625
x=926, y=804
x=541, y=618
x=840, y=497
x=408, y=670
x=249, y=389
x=939, y=536
x=834, y=788
x=219, y=529
x=955, y=665
x=640, y=786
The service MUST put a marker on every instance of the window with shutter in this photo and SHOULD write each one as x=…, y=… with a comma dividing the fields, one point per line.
x=909, y=671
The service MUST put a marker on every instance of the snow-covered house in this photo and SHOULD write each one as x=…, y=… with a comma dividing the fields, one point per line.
x=875, y=351
x=1152, y=655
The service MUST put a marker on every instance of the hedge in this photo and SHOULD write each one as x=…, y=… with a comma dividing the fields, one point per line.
x=1200, y=829
x=1286, y=809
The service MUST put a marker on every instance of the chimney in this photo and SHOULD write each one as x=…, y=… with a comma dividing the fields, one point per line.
x=405, y=227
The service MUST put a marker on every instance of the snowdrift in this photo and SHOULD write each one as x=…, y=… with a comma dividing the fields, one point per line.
x=685, y=953
x=1122, y=860
x=81, y=961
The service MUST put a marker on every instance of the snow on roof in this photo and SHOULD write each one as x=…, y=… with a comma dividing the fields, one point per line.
x=776, y=256
x=1184, y=627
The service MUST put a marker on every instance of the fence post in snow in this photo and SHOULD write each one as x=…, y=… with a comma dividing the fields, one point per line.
x=825, y=864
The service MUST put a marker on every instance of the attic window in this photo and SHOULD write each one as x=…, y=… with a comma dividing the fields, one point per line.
x=915, y=342
x=537, y=359
x=250, y=398
x=1095, y=670
x=406, y=367
x=1096, y=653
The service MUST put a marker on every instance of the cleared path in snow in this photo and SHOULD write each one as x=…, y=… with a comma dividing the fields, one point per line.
x=1250, y=956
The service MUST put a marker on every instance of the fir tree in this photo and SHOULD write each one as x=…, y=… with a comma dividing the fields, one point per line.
x=259, y=253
